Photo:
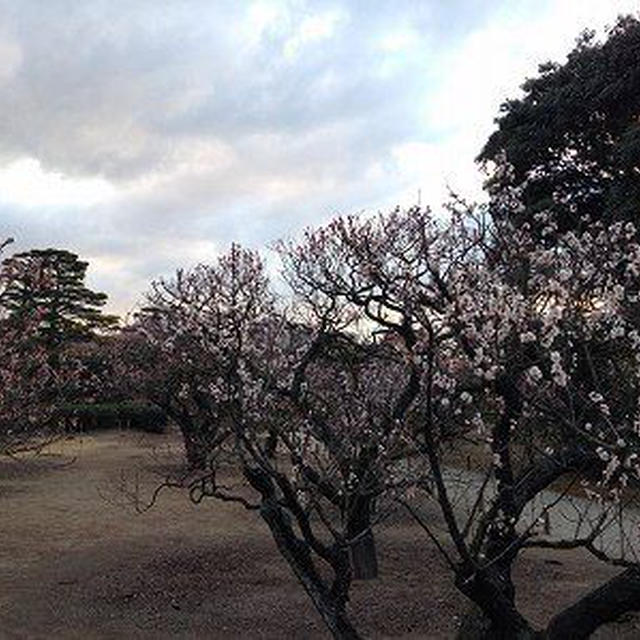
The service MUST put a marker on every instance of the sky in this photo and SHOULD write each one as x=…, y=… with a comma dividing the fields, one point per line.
x=146, y=136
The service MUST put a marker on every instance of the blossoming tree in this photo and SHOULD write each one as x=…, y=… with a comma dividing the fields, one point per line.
x=407, y=342
x=530, y=352
x=301, y=403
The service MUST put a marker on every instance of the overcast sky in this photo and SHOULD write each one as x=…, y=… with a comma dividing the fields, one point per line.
x=148, y=135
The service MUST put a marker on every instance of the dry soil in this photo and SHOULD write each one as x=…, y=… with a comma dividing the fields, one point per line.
x=77, y=563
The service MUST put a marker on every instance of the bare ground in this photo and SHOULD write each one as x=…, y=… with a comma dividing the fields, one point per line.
x=76, y=564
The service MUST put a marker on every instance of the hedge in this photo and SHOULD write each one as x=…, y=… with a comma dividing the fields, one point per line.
x=123, y=415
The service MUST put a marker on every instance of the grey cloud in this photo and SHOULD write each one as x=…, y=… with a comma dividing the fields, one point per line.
x=110, y=87
x=134, y=91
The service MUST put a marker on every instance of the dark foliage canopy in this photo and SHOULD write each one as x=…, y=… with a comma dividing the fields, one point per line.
x=48, y=284
x=571, y=144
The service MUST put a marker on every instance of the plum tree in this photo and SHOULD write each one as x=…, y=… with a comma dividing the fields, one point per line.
x=400, y=345
x=542, y=372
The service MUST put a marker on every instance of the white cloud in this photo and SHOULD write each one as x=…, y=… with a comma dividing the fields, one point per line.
x=399, y=41
x=312, y=30
x=24, y=183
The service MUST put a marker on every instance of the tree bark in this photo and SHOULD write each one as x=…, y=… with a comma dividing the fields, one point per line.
x=296, y=552
x=477, y=626
x=194, y=449
x=496, y=616
x=605, y=604
x=364, y=558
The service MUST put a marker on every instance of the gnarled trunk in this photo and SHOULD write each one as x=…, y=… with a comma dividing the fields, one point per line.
x=605, y=604
x=495, y=616
x=477, y=626
x=364, y=558
x=194, y=450
x=329, y=603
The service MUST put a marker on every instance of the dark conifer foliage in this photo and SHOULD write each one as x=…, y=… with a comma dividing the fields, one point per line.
x=49, y=284
x=571, y=144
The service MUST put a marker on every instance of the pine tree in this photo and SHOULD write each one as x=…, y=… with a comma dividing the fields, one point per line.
x=49, y=284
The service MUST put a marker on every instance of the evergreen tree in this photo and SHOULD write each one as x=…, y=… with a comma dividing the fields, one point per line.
x=48, y=284
x=571, y=145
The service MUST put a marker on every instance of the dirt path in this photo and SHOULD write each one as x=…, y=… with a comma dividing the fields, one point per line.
x=74, y=564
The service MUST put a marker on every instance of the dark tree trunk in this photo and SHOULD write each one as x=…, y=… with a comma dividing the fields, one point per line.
x=196, y=436
x=604, y=604
x=364, y=558
x=496, y=616
x=271, y=444
x=329, y=604
x=477, y=626
x=195, y=451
